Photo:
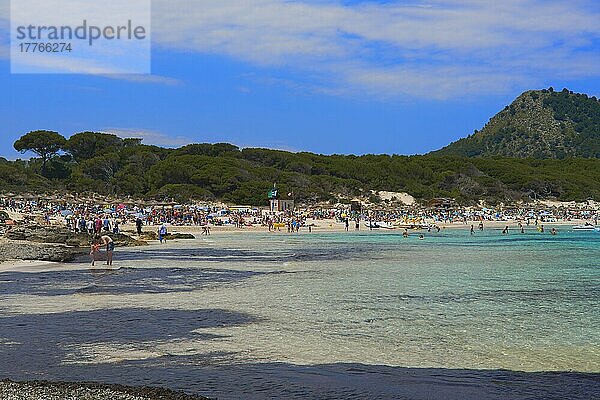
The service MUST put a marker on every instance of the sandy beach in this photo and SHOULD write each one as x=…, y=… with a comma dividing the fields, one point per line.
x=333, y=226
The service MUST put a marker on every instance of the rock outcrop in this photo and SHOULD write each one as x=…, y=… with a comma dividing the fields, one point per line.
x=51, y=243
x=60, y=235
x=20, y=250
x=170, y=236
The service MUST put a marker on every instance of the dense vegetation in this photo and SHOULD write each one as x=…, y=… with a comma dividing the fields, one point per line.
x=538, y=124
x=102, y=163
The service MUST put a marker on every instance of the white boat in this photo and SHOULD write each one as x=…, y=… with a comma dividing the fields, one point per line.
x=379, y=225
x=586, y=227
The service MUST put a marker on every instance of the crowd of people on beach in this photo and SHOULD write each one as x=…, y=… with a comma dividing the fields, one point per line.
x=100, y=221
x=95, y=219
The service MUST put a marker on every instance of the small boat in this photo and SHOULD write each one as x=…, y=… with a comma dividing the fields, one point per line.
x=586, y=227
x=379, y=225
x=386, y=225
x=414, y=226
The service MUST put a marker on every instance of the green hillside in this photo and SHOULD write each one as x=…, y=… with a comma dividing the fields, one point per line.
x=538, y=124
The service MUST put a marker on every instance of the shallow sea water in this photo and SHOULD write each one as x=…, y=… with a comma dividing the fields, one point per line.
x=361, y=315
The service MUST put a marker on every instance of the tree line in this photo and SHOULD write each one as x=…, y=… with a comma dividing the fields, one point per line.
x=104, y=163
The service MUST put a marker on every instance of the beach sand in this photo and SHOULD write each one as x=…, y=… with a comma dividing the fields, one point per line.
x=25, y=266
x=331, y=226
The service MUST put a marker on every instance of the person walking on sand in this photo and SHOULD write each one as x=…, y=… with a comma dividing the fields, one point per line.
x=162, y=233
x=90, y=226
x=110, y=248
x=98, y=225
x=138, y=225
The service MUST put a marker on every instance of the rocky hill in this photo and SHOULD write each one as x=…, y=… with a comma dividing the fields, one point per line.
x=538, y=124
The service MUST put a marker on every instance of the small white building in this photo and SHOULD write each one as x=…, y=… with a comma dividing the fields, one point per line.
x=277, y=205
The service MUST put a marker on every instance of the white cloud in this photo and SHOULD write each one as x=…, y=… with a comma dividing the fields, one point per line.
x=101, y=62
x=95, y=67
x=150, y=137
x=139, y=78
x=429, y=48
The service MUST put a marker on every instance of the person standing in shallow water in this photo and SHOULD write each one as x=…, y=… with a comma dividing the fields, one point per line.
x=94, y=251
x=472, y=230
x=110, y=248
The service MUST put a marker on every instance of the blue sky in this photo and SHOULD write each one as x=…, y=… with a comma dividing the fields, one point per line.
x=358, y=77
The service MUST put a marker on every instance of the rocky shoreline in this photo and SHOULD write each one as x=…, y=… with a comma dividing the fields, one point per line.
x=51, y=243
x=20, y=250
x=10, y=390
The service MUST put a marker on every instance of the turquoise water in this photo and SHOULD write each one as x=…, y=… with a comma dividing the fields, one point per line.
x=518, y=302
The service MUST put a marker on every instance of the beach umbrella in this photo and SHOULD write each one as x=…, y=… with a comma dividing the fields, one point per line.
x=66, y=213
